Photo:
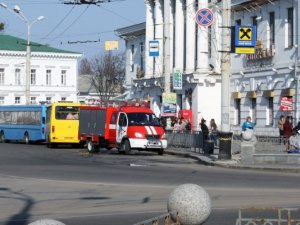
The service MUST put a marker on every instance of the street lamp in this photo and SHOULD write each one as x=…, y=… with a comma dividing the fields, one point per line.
x=29, y=24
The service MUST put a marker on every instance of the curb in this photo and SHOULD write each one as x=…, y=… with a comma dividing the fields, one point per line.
x=208, y=162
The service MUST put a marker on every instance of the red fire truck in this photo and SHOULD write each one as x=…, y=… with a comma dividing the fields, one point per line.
x=125, y=128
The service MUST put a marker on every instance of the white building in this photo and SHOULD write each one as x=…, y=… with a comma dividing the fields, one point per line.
x=261, y=83
x=183, y=46
x=53, y=72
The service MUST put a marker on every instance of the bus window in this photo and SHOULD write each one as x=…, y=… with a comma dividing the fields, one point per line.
x=65, y=112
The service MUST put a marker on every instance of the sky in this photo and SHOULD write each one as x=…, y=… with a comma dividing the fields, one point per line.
x=78, y=28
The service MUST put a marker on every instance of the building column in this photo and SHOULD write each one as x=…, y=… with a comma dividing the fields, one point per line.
x=159, y=35
x=149, y=61
x=179, y=37
x=167, y=45
x=202, y=59
x=190, y=36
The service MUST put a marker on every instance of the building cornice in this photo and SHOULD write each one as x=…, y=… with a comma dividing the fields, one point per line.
x=40, y=54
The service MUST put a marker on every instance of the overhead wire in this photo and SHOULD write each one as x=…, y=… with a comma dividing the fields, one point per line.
x=112, y=12
x=70, y=24
x=59, y=23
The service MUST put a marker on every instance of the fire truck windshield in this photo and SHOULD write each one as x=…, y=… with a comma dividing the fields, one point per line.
x=142, y=119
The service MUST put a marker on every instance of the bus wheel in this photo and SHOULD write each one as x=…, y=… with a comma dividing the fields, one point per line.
x=126, y=147
x=2, y=137
x=90, y=146
x=26, y=138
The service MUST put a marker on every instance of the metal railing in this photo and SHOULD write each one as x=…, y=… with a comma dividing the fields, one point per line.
x=162, y=219
x=194, y=141
x=268, y=216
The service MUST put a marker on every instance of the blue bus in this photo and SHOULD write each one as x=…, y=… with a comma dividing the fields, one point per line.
x=22, y=123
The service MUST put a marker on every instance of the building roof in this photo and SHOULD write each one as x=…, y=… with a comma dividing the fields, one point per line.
x=11, y=43
x=132, y=31
x=85, y=84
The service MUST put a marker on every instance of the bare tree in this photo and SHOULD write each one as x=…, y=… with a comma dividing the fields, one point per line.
x=108, y=75
x=85, y=67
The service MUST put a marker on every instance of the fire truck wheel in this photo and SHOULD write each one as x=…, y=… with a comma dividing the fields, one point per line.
x=126, y=147
x=90, y=146
x=160, y=152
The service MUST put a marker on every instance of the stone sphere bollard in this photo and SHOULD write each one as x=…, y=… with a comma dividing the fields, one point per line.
x=191, y=202
x=46, y=222
x=247, y=135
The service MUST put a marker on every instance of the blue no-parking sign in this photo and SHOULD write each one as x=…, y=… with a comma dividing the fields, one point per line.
x=204, y=17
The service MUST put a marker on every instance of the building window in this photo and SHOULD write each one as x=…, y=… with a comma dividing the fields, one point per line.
x=48, y=99
x=253, y=110
x=1, y=100
x=131, y=58
x=238, y=22
x=63, y=77
x=270, y=112
x=17, y=76
x=33, y=77
x=272, y=27
x=17, y=100
x=254, y=21
x=48, y=77
x=63, y=99
x=237, y=109
x=142, y=55
x=209, y=41
x=1, y=76
x=32, y=100
x=290, y=27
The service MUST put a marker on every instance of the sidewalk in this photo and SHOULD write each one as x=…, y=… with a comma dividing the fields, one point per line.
x=234, y=162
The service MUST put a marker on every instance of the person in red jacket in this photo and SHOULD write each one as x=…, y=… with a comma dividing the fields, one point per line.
x=287, y=131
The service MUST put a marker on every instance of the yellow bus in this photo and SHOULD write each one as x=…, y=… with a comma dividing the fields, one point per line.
x=62, y=123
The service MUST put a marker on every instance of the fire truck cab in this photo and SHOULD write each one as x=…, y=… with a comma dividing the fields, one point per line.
x=125, y=128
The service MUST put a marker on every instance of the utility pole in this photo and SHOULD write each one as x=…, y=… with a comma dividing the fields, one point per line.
x=225, y=135
x=225, y=65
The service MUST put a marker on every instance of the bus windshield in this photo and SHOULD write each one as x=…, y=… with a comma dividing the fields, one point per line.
x=142, y=119
x=66, y=112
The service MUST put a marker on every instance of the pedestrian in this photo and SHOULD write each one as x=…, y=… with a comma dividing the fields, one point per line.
x=287, y=131
x=70, y=116
x=213, y=131
x=248, y=124
x=178, y=126
x=204, y=129
x=280, y=122
x=297, y=127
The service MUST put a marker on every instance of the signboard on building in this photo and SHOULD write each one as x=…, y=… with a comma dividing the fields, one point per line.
x=169, y=104
x=245, y=39
x=153, y=48
x=177, y=80
x=286, y=104
x=111, y=45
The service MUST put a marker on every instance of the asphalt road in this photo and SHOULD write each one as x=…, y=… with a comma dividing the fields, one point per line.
x=111, y=189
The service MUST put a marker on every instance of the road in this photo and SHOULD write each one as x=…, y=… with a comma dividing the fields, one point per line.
x=112, y=189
